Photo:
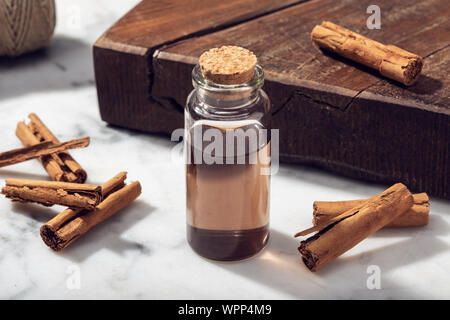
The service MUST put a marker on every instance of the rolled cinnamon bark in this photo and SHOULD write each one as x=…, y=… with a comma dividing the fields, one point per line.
x=39, y=150
x=70, y=224
x=418, y=215
x=49, y=229
x=353, y=226
x=391, y=61
x=60, y=166
x=48, y=193
x=114, y=184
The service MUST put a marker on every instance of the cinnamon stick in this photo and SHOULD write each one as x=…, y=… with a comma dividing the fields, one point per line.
x=38, y=150
x=353, y=226
x=48, y=193
x=417, y=215
x=49, y=229
x=60, y=166
x=391, y=61
x=70, y=224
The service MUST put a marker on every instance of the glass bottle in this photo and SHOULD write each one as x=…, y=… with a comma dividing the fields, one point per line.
x=227, y=145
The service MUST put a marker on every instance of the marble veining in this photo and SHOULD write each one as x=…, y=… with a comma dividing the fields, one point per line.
x=141, y=252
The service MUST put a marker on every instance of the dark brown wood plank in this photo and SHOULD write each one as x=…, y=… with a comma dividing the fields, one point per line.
x=332, y=112
x=432, y=89
x=154, y=22
x=282, y=42
x=122, y=55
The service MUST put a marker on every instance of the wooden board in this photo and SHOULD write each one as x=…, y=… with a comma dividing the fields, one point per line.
x=123, y=54
x=330, y=111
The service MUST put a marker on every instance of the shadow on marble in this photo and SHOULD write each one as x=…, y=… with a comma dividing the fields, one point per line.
x=5, y=174
x=280, y=267
x=35, y=211
x=395, y=255
x=67, y=63
x=437, y=226
x=159, y=139
x=392, y=258
x=439, y=205
x=107, y=235
x=318, y=176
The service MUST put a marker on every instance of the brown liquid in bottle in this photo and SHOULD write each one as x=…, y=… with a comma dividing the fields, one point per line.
x=228, y=204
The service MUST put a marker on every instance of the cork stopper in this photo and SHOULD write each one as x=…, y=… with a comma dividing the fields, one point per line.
x=228, y=65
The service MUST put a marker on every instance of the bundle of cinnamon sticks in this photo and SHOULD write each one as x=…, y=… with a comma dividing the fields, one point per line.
x=87, y=204
x=59, y=165
x=342, y=225
x=73, y=222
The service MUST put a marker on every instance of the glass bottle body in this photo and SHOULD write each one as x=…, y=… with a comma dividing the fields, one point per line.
x=227, y=144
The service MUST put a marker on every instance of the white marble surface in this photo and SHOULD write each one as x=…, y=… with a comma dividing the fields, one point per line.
x=142, y=252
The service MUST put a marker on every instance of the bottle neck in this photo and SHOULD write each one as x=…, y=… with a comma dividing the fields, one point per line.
x=223, y=99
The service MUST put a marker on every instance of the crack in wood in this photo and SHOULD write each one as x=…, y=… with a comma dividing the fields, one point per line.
x=380, y=80
x=436, y=51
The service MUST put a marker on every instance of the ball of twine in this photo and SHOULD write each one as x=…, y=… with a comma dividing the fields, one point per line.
x=25, y=25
